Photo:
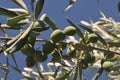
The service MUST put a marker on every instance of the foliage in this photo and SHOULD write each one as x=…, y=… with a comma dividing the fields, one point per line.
x=98, y=46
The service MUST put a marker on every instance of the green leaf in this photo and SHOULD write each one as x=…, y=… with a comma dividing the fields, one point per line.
x=49, y=21
x=6, y=12
x=18, y=10
x=39, y=6
x=32, y=4
x=20, y=3
x=15, y=20
x=119, y=6
x=19, y=43
x=10, y=27
x=89, y=30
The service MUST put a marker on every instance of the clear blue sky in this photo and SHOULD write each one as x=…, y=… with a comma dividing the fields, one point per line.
x=82, y=10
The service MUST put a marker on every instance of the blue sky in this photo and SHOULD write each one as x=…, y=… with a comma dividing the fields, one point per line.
x=82, y=10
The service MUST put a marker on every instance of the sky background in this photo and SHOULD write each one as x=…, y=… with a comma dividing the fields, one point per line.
x=82, y=10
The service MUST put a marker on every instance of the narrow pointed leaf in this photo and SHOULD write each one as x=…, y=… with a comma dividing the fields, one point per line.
x=14, y=20
x=71, y=3
x=119, y=6
x=32, y=5
x=49, y=21
x=18, y=10
x=39, y=6
x=20, y=3
x=19, y=43
x=5, y=26
x=6, y=12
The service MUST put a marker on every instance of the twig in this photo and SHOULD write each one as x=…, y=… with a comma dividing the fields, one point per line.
x=9, y=38
x=97, y=75
x=80, y=46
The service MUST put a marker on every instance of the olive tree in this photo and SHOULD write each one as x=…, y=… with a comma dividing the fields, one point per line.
x=66, y=57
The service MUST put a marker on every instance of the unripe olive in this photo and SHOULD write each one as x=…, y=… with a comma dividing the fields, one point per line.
x=39, y=56
x=109, y=56
x=57, y=35
x=107, y=65
x=90, y=58
x=70, y=30
x=61, y=45
x=93, y=38
x=48, y=47
x=71, y=53
x=84, y=64
x=56, y=54
x=27, y=49
x=31, y=40
x=30, y=62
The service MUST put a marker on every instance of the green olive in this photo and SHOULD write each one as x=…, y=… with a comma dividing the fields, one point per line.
x=70, y=30
x=93, y=38
x=107, y=65
x=90, y=58
x=39, y=56
x=71, y=53
x=30, y=62
x=27, y=50
x=48, y=47
x=31, y=40
x=84, y=64
x=56, y=54
x=57, y=35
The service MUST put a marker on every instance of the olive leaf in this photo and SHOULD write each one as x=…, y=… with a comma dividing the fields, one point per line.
x=119, y=6
x=20, y=3
x=5, y=26
x=76, y=73
x=32, y=6
x=6, y=12
x=71, y=2
x=19, y=43
x=18, y=10
x=39, y=6
x=15, y=20
x=50, y=22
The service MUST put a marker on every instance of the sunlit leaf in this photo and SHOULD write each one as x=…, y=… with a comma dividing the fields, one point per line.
x=19, y=43
x=18, y=10
x=49, y=21
x=39, y=6
x=20, y=3
x=14, y=20
x=71, y=2
x=119, y=6
x=10, y=27
x=6, y=12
